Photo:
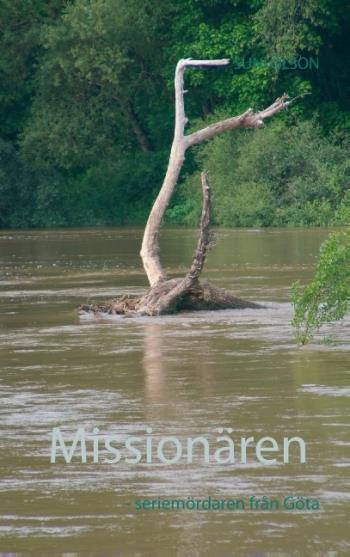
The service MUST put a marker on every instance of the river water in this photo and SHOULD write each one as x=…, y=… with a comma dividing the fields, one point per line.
x=184, y=375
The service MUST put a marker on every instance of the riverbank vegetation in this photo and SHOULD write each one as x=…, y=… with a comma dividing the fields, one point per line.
x=327, y=297
x=86, y=110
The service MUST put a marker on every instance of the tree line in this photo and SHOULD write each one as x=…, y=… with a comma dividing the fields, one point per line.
x=87, y=101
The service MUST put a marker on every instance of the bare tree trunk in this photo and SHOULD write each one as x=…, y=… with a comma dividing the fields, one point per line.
x=164, y=295
x=169, y=296
x=160, y=299
x=150, y=253
x=150, y=243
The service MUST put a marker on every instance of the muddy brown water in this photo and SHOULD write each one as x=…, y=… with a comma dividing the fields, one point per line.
x=183, y=375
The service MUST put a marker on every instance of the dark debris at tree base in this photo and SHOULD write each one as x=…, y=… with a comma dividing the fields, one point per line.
x=200, y=297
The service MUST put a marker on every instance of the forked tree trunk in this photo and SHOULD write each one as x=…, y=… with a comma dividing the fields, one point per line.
x=150, y=252
x=165, y=295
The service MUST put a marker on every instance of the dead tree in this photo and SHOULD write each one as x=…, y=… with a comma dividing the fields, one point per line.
x=169, y=295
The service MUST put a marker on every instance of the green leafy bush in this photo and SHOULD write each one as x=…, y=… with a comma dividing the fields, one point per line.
x=343, y=212
x=326, y=298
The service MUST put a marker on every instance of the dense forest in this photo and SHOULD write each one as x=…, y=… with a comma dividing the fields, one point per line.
x=87, y=107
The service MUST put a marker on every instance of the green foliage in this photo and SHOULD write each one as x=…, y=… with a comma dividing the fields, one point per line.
x=93, y=79
x=326, y=298
x=86, y=110
x=290, y=26
x=343, y=212
x=312, y=213
x=20, y=27
x=7, y=177
x=109, y=194
x=281, y=175
x=106, y=194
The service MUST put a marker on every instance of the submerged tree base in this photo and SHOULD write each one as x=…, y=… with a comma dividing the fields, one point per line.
x=198, y=297
x=179, y=294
